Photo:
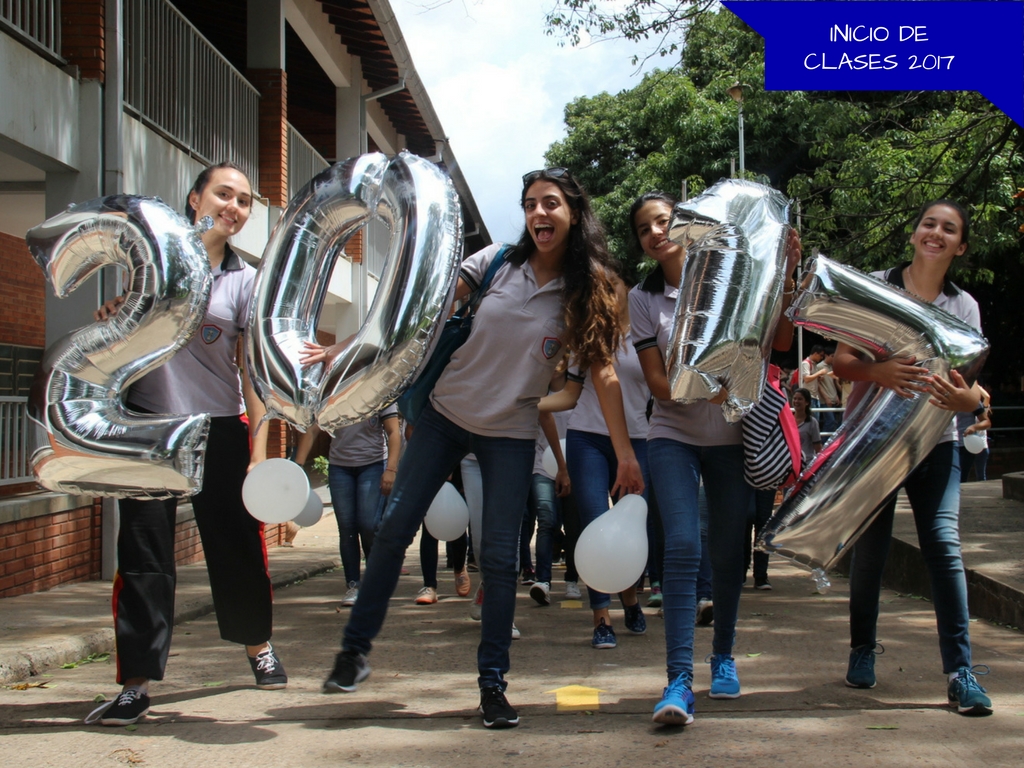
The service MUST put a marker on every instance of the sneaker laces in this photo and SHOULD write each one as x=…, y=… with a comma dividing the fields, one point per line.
x=679, y=685
x=863, y=657
x=125, y=698
x=266, y=660
x=966, y=679
x=722, y=664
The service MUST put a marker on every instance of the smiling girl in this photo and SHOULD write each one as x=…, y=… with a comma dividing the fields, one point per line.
x=553, y=294
x=933, y=488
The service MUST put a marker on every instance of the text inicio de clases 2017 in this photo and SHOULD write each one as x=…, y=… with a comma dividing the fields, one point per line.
x=863, y=33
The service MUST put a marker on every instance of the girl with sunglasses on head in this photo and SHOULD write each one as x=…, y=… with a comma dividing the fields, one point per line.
x=688, y=443
x=933, y=487
x=554, y=294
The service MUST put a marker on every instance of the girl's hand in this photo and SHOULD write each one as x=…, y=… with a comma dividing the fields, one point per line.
x=952, y=395
x=387, y=481
x=628, y=478
x=563, y=487
x=794, y=252
x=901, y=376
x=109, y=309
x=312, y=354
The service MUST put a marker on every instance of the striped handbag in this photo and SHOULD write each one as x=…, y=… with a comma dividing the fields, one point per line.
x=771, y=440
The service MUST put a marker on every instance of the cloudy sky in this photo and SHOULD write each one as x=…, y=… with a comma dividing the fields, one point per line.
x=499, y=86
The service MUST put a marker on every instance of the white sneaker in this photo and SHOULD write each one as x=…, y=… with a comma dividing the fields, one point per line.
x=350, y=596
x=515, y=632
x=572, y=590
x=540, y=591
x=477, y=608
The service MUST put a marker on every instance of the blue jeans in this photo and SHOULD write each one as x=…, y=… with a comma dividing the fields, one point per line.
x=933, y=489
x=676, y=470
x=544, y=502
x=704, y=588
x=435, y=449
x=592, y=465
x=977, y=460
x=358, y=503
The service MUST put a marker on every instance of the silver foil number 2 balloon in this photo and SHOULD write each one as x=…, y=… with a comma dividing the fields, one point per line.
x=83, y=438
x=420, y=209
x=883, y=436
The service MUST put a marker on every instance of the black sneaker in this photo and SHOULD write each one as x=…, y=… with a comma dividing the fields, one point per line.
x=350, y=669
x=497, y=712
x=268, y=670
x=130, y=706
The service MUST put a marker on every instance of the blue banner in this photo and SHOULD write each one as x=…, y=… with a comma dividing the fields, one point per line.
x=928, y=45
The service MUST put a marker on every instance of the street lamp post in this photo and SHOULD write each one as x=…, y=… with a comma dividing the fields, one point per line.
x=736, y=91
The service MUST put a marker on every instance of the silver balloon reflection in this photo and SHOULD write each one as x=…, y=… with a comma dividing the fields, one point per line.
x=83, y=438
x=883, y=436
x=730, y=294
x=417, y=205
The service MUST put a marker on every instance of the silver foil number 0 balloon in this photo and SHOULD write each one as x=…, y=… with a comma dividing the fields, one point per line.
x=83, y=438
x=420, y=209
x=883, y=436
x=730, y=294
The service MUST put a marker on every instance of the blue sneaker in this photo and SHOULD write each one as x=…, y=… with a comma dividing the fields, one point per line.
x=635, y=621
x=604, y=636
x=724, y=682
x=966, y=695
x=676, y=705
x=860, y=672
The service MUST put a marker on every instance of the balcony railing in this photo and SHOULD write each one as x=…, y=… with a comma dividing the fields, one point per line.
x=37, y=22
x=13, y=441
x=177, y=83
x=304, y=162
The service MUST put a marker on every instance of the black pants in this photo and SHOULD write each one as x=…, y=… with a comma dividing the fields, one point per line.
x=236, y=561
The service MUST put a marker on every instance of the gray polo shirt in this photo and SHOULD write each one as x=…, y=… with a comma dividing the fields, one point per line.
x=204, y=377
x=494, y=381
x=561, y=423
x=652, y=309
x=587, y=416
x=954, y=300
x=362, y=443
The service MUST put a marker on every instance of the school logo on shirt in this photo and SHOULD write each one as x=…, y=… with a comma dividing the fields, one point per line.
x=210, y=333
x=550, y=346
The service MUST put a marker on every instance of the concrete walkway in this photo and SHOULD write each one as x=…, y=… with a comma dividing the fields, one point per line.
x=418, y=707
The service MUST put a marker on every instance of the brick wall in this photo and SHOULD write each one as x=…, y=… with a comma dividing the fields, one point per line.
x=23, y=286
x=82, y=36
x=42, y=552
x=273, y=133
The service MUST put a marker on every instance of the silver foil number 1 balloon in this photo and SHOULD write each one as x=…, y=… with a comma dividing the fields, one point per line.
x=83, y=438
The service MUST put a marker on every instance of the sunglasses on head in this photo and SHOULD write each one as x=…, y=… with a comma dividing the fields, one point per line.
x=554, y=173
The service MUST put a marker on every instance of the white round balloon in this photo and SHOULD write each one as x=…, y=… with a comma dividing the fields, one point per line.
x=548, y=460
x=976, y=442
x=312, y=512
x=448, y=516
x=611, y=552
x=276, y=491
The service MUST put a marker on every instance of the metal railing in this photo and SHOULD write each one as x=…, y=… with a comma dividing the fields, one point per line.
x=35, y=21
x=304, y=162
x=14, y=441
x=177, y=83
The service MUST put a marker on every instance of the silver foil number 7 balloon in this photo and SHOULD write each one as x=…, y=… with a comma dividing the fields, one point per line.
x=418, y=206
x=83, y=438
x=883, y=436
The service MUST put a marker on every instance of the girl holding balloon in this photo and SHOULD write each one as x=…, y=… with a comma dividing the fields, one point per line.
x=933, y=487
x=201, y=378
x=554, y=294
x=687, y=443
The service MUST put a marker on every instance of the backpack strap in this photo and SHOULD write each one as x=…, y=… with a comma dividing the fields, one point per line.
x=492, y=269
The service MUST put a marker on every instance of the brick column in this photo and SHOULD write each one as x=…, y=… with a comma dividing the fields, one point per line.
x=82, y=38
x=273, y=133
